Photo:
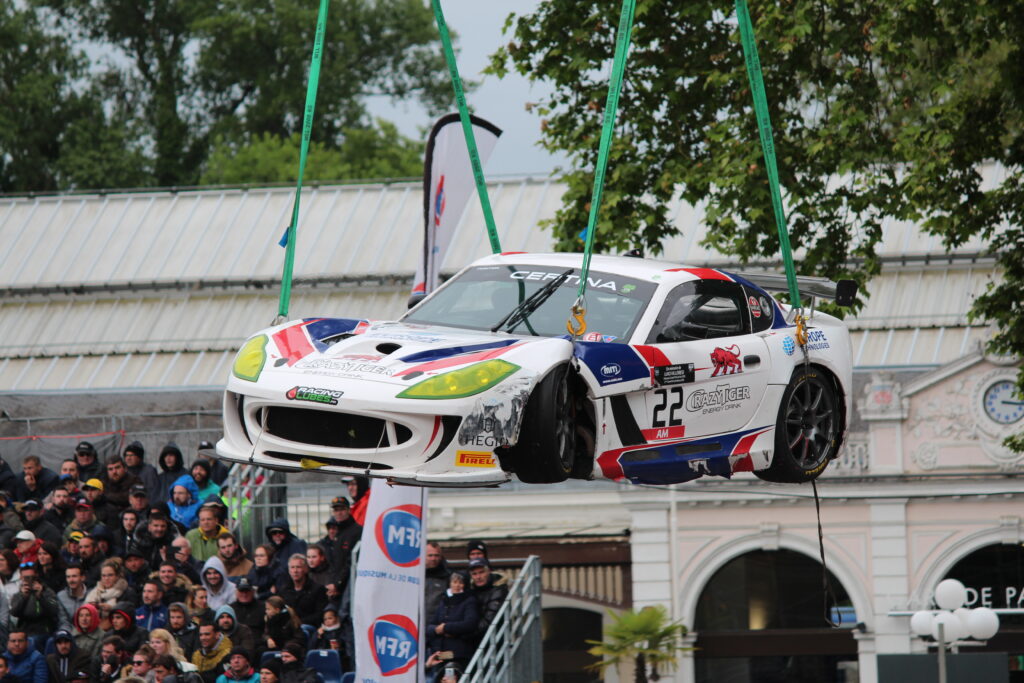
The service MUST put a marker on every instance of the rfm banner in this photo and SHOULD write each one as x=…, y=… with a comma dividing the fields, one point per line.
x=388, y=595
x=447, y=184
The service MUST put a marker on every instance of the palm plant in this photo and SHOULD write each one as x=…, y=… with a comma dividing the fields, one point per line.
x=647, y=637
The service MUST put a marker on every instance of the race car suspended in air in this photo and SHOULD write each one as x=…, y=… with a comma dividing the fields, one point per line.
x=683, y=372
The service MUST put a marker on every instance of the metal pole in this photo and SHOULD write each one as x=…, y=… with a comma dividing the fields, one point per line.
x=942, y=653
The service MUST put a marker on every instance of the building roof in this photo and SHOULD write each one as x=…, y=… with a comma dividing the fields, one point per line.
x=158, y=289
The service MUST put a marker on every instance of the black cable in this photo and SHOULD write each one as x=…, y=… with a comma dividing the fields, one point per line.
x=828, y=596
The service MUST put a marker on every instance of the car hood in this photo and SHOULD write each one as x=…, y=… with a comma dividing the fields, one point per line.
x=396, y=353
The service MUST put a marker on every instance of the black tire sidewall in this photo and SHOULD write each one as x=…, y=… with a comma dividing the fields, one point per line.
x=784, y=466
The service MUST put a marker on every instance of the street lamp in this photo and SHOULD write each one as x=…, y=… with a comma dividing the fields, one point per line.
x=952, y=622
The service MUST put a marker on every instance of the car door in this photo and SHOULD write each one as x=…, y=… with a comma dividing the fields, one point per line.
x=711, y=371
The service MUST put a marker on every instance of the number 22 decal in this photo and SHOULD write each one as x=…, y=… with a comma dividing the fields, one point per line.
x=663, y=404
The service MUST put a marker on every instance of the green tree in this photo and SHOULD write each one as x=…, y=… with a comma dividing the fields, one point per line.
x=374, y=152
x=881, y=109
x=234, y=70
x=646, y=638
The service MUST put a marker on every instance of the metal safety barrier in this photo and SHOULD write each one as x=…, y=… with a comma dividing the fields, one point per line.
x=511, y=649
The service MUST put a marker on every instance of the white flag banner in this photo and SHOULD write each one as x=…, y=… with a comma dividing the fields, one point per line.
x=388, y=597
x=447, y=185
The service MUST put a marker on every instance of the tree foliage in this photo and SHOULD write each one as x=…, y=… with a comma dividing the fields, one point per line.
x=645, y=637
x=189, y=73
x=882, y=109
x=375, y=152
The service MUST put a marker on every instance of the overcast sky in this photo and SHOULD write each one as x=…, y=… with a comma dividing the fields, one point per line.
x=479, y=27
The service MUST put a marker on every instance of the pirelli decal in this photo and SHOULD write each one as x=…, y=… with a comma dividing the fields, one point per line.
x=474, y=459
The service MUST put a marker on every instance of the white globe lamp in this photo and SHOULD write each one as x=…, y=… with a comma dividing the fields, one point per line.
x=950, y=594
x=921, y=623
x=982, y=623
x=951, y=629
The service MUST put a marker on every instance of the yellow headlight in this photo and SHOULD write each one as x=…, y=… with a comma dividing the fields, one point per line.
x=250, y=359
x=464, y=382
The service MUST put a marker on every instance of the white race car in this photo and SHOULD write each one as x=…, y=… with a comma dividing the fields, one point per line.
x=681, y=372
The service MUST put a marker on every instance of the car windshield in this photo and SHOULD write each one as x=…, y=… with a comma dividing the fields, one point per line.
x=481, y=297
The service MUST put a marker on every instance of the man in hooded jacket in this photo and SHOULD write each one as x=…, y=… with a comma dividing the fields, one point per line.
x=134, y=454
x=219, y=590
x=172, y=466
x=285, y=543
x=240, y=634
x=65, y=658
x=183, y=500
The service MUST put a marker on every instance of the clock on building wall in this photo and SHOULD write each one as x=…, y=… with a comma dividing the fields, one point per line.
x=1001, y=402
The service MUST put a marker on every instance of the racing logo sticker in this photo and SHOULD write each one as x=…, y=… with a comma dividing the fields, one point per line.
x=755, y=306
x=394, y=641
x=816, y=340
x=474, y=459
x=611, y=369
x=726, y=361
x=398, y=534
x=788, y=345
x=722, y=397
x=314, y=395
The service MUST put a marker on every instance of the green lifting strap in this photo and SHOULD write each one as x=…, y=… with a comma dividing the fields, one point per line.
x=610, y=108
x=764, y=126
x=467, y=127
x=307, y=127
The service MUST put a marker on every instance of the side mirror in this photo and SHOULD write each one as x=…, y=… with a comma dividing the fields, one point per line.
x=415, y=299
x=846, y=292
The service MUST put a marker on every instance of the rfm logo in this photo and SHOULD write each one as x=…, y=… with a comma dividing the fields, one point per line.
x=394, y=641
x=398, y=534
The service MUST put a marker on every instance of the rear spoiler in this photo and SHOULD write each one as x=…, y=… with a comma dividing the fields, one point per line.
x=842, y=292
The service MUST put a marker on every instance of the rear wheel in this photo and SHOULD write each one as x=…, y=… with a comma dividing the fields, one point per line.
x=807, y=430
x=546, y=448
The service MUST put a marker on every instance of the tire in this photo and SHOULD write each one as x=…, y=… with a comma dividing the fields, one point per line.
x=546, y=448
x=807, y=430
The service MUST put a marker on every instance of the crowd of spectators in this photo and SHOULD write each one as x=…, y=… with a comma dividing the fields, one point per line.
x=123, y=571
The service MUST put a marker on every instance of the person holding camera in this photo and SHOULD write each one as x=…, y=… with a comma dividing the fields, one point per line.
x=35, y=605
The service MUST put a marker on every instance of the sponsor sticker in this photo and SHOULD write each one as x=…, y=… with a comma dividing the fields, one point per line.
x=788, y=345
x=663, y=433
x=722, y=397
x=611, y=369
x=816, y=340
x=726, y=361
x=344, y=364
x=755, y=306
x=394, y=641
x=474, y=459
x=598, y=337
x=681, y=373
x=314, y=395
x=398, y=535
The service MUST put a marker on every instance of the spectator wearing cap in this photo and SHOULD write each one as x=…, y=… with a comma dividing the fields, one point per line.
x=293, y=667
x=349, y=533
x=104, y=538
x=91, y=559
x=26, y=663
x=218, y=470
x=73, y=595
x=170, y=465
x=65, y=659
x=138, y=501
x=134, y=455
x=212, y=654
x=328, y=540
x=136, y=568
x=60, y=507
x=26, y=546
x=88, y=464
x=118, y=482
x=234, y=557
x=285, y=544
x=106, y=513
x=248, y=609
x=476, y=549
x=35, y=605
x=490, y=590
x=435, y=577
x=270, y=671
x=204, y=537
x=152, y=613
x=184, y=502
x=240, y=667
x=84, y=520
x=35, y=521
x=200, y=471
x=35, y=481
